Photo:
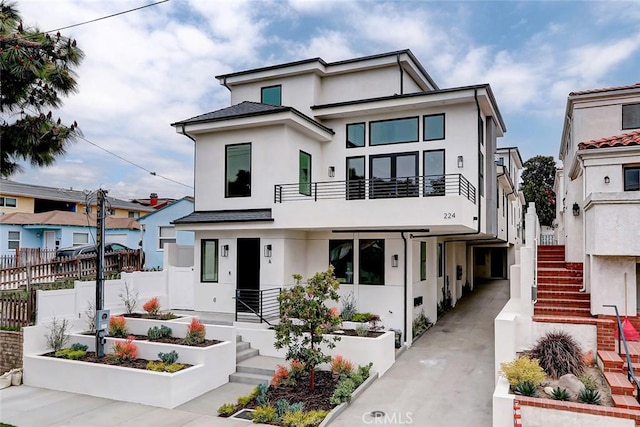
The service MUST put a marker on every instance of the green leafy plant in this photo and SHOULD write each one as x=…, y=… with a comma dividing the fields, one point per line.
x=589, y=396
x=349, y=307
x=125, y=351
x=420, y=324
x=244, y=400
x=362, y=330
x=363, y=317
x=558, y=354
x=196, y=332
x=560, y=394
x=261, y=394
x=343, y=391
x=365, y=370
x=283, y=406
x=588, y=381
x=264, y=414
x=227, y=409
x=156, y=333
x=158, y=366
x=526, y=389
x=69, y=353
x=173, y=367
x=152, y=307
x=521, y=370
x=166, y=316
x=168, y=358
x=296, y=369
x=305, y=319
x=58, y=334
x=77, y=346
x=118, y=327
x=303, y=419
x=280, y=376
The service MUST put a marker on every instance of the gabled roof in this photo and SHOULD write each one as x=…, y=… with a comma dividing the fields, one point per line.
x=243, y=215
x=189, y=199
x=624, y=140
x=62, y=194
x=66, y=218
x=606, y=89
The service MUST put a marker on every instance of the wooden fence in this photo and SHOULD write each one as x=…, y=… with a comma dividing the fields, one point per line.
x=17, y=308
x=27, y=256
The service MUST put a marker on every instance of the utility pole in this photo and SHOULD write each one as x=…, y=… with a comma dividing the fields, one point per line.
x=100, y=220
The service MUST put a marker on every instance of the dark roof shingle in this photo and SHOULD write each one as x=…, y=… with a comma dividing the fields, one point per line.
x=624, y=140
x=242, y=215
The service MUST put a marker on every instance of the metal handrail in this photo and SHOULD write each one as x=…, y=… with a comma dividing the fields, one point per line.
x=630, y=374
x=264, y=307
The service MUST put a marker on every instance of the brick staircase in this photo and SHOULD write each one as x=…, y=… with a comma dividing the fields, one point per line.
x=559, y=285
x=615, y=369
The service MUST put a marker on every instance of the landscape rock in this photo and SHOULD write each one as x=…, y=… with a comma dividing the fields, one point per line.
x=572, y=384
x=549, y=391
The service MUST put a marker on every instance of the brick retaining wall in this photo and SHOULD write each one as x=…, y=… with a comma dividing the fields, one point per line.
x=10, y=350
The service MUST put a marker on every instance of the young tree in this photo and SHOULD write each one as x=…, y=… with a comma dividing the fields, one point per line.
x=305, y=319
x=537, y=179
x=36, y=69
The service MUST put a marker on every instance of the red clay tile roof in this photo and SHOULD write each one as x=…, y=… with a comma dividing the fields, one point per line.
x=624, y=140
x=606, y=89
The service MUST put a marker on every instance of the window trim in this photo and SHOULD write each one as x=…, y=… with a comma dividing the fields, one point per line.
x=79, y=233
x=262, y=89
x=203, y=243
x=417, y=119
x=301, y=184
x=393, y=171
x=364, y=134
x=424, y=127
x=9, y=239
x=3, y=202
x=637, y=105
x=226, y=169
x=362, y=195
x=360, y=258
x=174, y=238
x=424, y=173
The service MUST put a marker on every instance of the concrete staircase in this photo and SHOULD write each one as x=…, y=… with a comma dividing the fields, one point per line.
x=251, y=367
x=559, y=285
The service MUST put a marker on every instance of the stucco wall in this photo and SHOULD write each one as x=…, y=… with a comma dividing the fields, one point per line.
x=607, y=277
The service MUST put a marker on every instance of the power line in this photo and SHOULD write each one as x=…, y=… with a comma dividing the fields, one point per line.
x=134, y=164
x=108, y=16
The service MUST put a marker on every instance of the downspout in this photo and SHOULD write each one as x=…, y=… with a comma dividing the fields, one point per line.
x=404, y=326
x=401, y=74
x=224, y=83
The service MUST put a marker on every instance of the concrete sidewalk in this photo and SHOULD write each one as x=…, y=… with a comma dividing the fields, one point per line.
x=445, y=379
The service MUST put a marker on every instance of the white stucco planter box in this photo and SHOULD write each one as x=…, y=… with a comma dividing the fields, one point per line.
x=139, y=326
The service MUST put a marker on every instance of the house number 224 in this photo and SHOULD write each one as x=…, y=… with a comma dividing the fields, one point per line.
x=449, y=215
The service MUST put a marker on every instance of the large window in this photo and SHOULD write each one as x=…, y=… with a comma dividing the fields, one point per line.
x=8, y=202
x=355, y=178
x=434, y=173
x=632, y=178
x=209, y=261
x=393, y=175
x=238, y=170
x=304, y=173
x=271, y=95
x=355, y=135
x=166, y=234
x=341, y=257
x=393, y=131
x=371, y=259
x=434, y=127
x=13, y=240
x=80, y=239
x=423, y=260
x=631, y=116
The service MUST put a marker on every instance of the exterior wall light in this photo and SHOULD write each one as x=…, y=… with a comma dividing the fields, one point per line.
x=332, y=171
x=225, y=251
x=394, y=260
x=460, y=162
x=267, y=251
x=576, y=209
x=607, y=180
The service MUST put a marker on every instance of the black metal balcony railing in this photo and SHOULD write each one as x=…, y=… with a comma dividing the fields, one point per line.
x=378, y=188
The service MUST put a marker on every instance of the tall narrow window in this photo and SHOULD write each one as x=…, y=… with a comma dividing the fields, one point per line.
x=632, y=178
x=271, y=95
x=434, y=173
x=238, y=170
x=166, y=234
x=341, y=257
x=481, y=178
x=355, y=178
x=355, y=135
x=304, y=173
x=13, y=240
x=423, y=260
x=371, y=262
x=393, y=131
x=433, y=127
x=209, y=261
x=440, y=260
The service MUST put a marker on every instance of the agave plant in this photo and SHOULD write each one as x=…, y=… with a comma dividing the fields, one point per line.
x=560, y=394
x=526, y=389
x=590, y=396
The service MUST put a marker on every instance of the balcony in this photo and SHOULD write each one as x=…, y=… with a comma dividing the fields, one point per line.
x=377, y=188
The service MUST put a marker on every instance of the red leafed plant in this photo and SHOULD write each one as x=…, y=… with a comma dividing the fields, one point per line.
x=340, y=366
x=195, y=332
x=334, y=312
x=281, y=374
x=152, y=307
x=125, y=351
x=118, y=327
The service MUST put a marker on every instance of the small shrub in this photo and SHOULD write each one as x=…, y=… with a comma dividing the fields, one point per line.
x=341, y=366
x=522, y=370
x=349, y=307
x=227, y=409
x=296, y=369
x=261, y=394
x=158, y=366
x=58, y=335
x=173, y=367
x=365, y=370
x=420, y=324
x=125, y=351
x=343, y=391
x=167, y=316
x=244, y=400
x=560, y=394
x=283, y=407
x=591, y=397
x=195, y=333
x=526, y=389
x=588, y=382
x=129, y=297
x=362, y=317
x=362, y=330
x=68, y=353
x=280, y=376
x=303, y=419
x=118, y=327
x=77, y=346
x=168, y=358
x=90, y=314
x=264, y=414
x=152, y=307
x=152, y=365
x=558, y=354
x=155, y=333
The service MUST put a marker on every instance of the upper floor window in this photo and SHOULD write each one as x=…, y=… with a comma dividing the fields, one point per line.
x=355, y=178
x=238, y=170
x=8, y=202
x=632, y=178
x=481, y=177
x=271, y=95
x=393, y=131
x=304, y=173
x=341, y=257
x=166, y=234
x=434, y=179
x=209, y=260
x=133, y=214
x=80, y=239
x=355, y=135
x=13, y=240
x=631, y=116
x=434, y=127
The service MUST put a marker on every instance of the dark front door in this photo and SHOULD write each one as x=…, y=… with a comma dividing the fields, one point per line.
x=498, y=258
x=248, y=274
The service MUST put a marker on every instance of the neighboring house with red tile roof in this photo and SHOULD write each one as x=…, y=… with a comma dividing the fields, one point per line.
x=598, y=193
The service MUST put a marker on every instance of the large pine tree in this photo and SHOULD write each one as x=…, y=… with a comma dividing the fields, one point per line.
x=36, y=70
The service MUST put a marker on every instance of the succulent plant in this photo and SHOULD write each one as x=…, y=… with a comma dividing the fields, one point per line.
x=560, y=394
x=526, y=389
x=589, y=396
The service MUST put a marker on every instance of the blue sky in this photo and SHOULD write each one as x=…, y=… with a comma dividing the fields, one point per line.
x=149, y=68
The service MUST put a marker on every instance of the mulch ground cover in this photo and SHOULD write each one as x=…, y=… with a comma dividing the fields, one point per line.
x=107, y=360
x=176, y=340
x=325, y=384
x=161, y=316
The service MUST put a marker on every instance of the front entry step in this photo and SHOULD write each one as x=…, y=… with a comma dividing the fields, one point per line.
x=251, y=368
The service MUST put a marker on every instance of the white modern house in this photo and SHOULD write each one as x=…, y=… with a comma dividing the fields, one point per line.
x=365, y=164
